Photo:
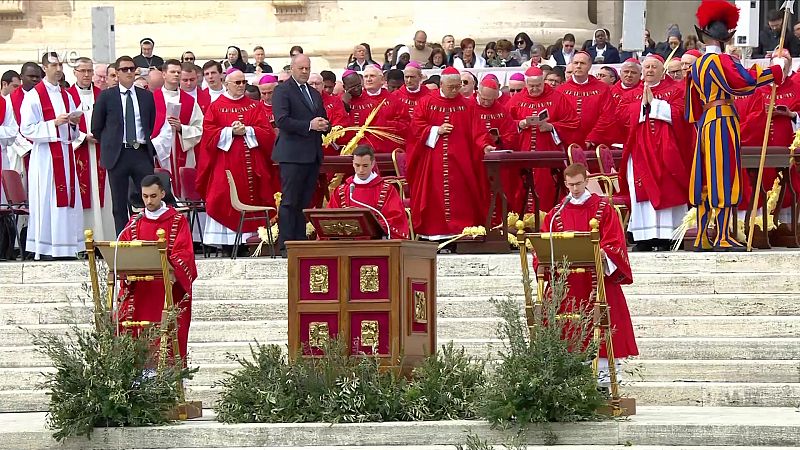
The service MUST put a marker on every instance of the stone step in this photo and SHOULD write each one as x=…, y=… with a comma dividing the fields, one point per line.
x=649, y=348
x=656, y=425
x=459, y=328
x=503, y=447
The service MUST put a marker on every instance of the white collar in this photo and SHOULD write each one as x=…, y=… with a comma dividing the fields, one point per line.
x=578, y=82
x=169, y=92
x=51, y=87
x=713, y=49
x=156, y=214
x=625, y=86
x=83, y=90
x=415, y=90
x=229, y=96
x=222, y=89
x=380, y=90
x=654, y=85
x=123, y=89
x=582, y=199
x=369, y=179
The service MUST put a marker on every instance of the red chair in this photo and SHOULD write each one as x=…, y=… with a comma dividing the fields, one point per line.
x=191, y=198
x=605, y=179
x=605, y=159
x=399, y=162
x=17, y=199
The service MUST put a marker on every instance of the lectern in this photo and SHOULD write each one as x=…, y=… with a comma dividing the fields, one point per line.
x=377, y=295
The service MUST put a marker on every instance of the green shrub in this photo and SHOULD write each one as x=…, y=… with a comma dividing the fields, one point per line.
x=543, y=375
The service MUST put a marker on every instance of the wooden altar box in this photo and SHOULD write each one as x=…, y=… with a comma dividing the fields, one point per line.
x=373, y=294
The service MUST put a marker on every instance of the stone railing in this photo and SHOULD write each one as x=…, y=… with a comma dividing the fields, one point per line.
x=12, y=8
x=289, y=7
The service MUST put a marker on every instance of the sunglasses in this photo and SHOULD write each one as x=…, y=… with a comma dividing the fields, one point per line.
x=188, y=59
x=520, y=42
x=238, y=82
x=465, y=82
x=130, y=69
x=514, y=91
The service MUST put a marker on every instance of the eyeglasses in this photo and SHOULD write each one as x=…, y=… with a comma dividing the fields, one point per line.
x=188, y=59
x=129, y=69
x=238, y=82
x=465, y=82
x=520, y=42
x=674, y=72
x=86, y=71
x=514, y=91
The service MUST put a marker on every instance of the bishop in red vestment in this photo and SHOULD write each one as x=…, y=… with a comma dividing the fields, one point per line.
x=593, y=102
x=542, y=135
x=412, y=91
x=656, y=159
x=368, y=187
x=630, y=78
x=144, y=300
x=337, y=116
x=581, y=208
x=392, y=117
x=266, y=86
x=445, y=162
x=236, y=138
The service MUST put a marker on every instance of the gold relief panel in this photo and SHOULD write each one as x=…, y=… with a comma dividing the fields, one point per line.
x=369, y=333
x=318, y=334
x=340, y=227
x=368, y=280
x=420, y=307
x=318, y=279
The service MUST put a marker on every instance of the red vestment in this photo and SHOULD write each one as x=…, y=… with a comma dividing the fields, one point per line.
x=594, y=105
x=82, y=166
x=270, y=115
x=337, y=115
x=392, y=118
x=505, y=99
x=203, y=99
x=661, y=152
x=448, y=182
x=144, y=300
x=256, y=178
x=16, y=97
x=753, y=113
x=565, y=121
x=381, y=196
x=619, y=90
x=410, y=99
x=612, y=240
x=178, y=157
x=497, y=119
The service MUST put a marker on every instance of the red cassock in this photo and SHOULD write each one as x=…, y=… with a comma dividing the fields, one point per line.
x=449, y=189
x=619, y=90
x=565, y=121
x=410, y=99
x=256, y=178
x=392, y=118
x=381, y=196
x=612, y=241
x=337, y=115
x=595, y=106
x=144, y=300
x=753, y=111
x=661, y=151
x=497, y=121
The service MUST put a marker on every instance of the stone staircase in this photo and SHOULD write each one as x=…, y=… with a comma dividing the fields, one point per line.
x=714, y=330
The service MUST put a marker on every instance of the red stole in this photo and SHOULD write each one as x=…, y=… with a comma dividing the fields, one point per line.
x=16, y=103
x=63, y=197
x=203, y=99
x=2, y=108
x=82, y=156
x=178, y=158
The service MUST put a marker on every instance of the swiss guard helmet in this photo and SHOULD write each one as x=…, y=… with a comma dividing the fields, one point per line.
x=716, y=19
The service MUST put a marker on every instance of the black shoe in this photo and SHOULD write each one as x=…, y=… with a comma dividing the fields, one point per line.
x=644, y=246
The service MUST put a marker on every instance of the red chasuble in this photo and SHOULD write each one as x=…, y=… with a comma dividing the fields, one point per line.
x=392, y=118
x=496, y=120
x=178, y=157
x=82, y=166
x=203, y=99
x=337, y=115
x=661, y=151
x=565, y=121
x=255, y=177
x=379, y=195
x=449, y=189
x=612, y=241
x=618, y=90
x=410, y=99
x=16, y=97
x=592, y=100
x=270, y=115
x=753, y=113
x=144, y=300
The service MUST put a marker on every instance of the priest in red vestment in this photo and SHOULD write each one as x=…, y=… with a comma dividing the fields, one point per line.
x=337, y=116
x=548, y=134
x=594, y=105
x=392, y=117
x=582, y=206
x=369, y=188
x=238, y=138
x=266, y=86
x=189, y=76
x=630, y=78
x=412, y=91
x=781, y=133
x=445, y=169
x=656, y=158
x=144, y=300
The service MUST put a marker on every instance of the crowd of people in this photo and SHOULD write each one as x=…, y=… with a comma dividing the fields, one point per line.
x=84, y=149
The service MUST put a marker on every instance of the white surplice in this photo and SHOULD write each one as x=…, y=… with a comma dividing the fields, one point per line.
x=8, y=134
x=15, y=151
x=98, y=219
x=191, y=133
x=52, y=230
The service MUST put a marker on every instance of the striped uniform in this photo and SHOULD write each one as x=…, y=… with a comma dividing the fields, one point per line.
x=715, y=177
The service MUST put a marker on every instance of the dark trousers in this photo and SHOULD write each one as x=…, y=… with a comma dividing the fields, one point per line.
x=298, y=183
x=132, y=164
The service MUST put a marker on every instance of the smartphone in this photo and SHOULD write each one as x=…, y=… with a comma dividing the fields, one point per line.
x=543, y=115
x=530, y=120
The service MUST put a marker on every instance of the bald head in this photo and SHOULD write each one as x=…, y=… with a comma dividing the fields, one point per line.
x=315, y=81
x=155, y=79
x=487, y=95
x=301, y=68
x=653, y=70
x=235, y=83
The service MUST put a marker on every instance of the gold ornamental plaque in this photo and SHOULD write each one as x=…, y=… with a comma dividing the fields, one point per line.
x=369, y=333
x=318, y=279
x=318, y=334
x=420, y=307
x=368, y=279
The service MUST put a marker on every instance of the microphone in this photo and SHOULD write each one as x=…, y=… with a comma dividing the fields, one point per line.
x=552, y=219
x=388, y=230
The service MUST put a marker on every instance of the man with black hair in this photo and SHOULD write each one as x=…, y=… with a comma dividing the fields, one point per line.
x=394, y=80
x=9, y=82
x=144, y=300
x=328, y=81
x=769, y=37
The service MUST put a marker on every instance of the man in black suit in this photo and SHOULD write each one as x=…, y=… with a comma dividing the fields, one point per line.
x=300, y=117
x=123, y=120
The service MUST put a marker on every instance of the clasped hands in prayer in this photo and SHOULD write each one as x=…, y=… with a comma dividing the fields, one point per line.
x=238, y=128
x=320, y=124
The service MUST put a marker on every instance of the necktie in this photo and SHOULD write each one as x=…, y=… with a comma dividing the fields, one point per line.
x=307, y=95
x=130, y=119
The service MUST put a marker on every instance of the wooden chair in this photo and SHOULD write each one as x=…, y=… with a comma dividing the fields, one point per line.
x=400, y=181
x=605, y=160
x=257, y=213
x=599, y=183
x=17, y=199
x=191, y=198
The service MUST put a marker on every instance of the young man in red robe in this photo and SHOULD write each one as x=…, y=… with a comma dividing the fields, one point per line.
x=368, y=187
x=392, y=117
x=445, y=169
x=656, y=159
x=548, y=134
x=189, y=77
x=781, y=133
x=412, y=91
x=238, y=138
x=593, y=102
x=144, y=300
x=579, y=208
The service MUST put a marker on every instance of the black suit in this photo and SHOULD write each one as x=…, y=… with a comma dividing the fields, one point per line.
x=122, y=162
x=298, y=151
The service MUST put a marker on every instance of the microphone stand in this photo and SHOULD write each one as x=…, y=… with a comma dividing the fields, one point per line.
x=388, y=230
